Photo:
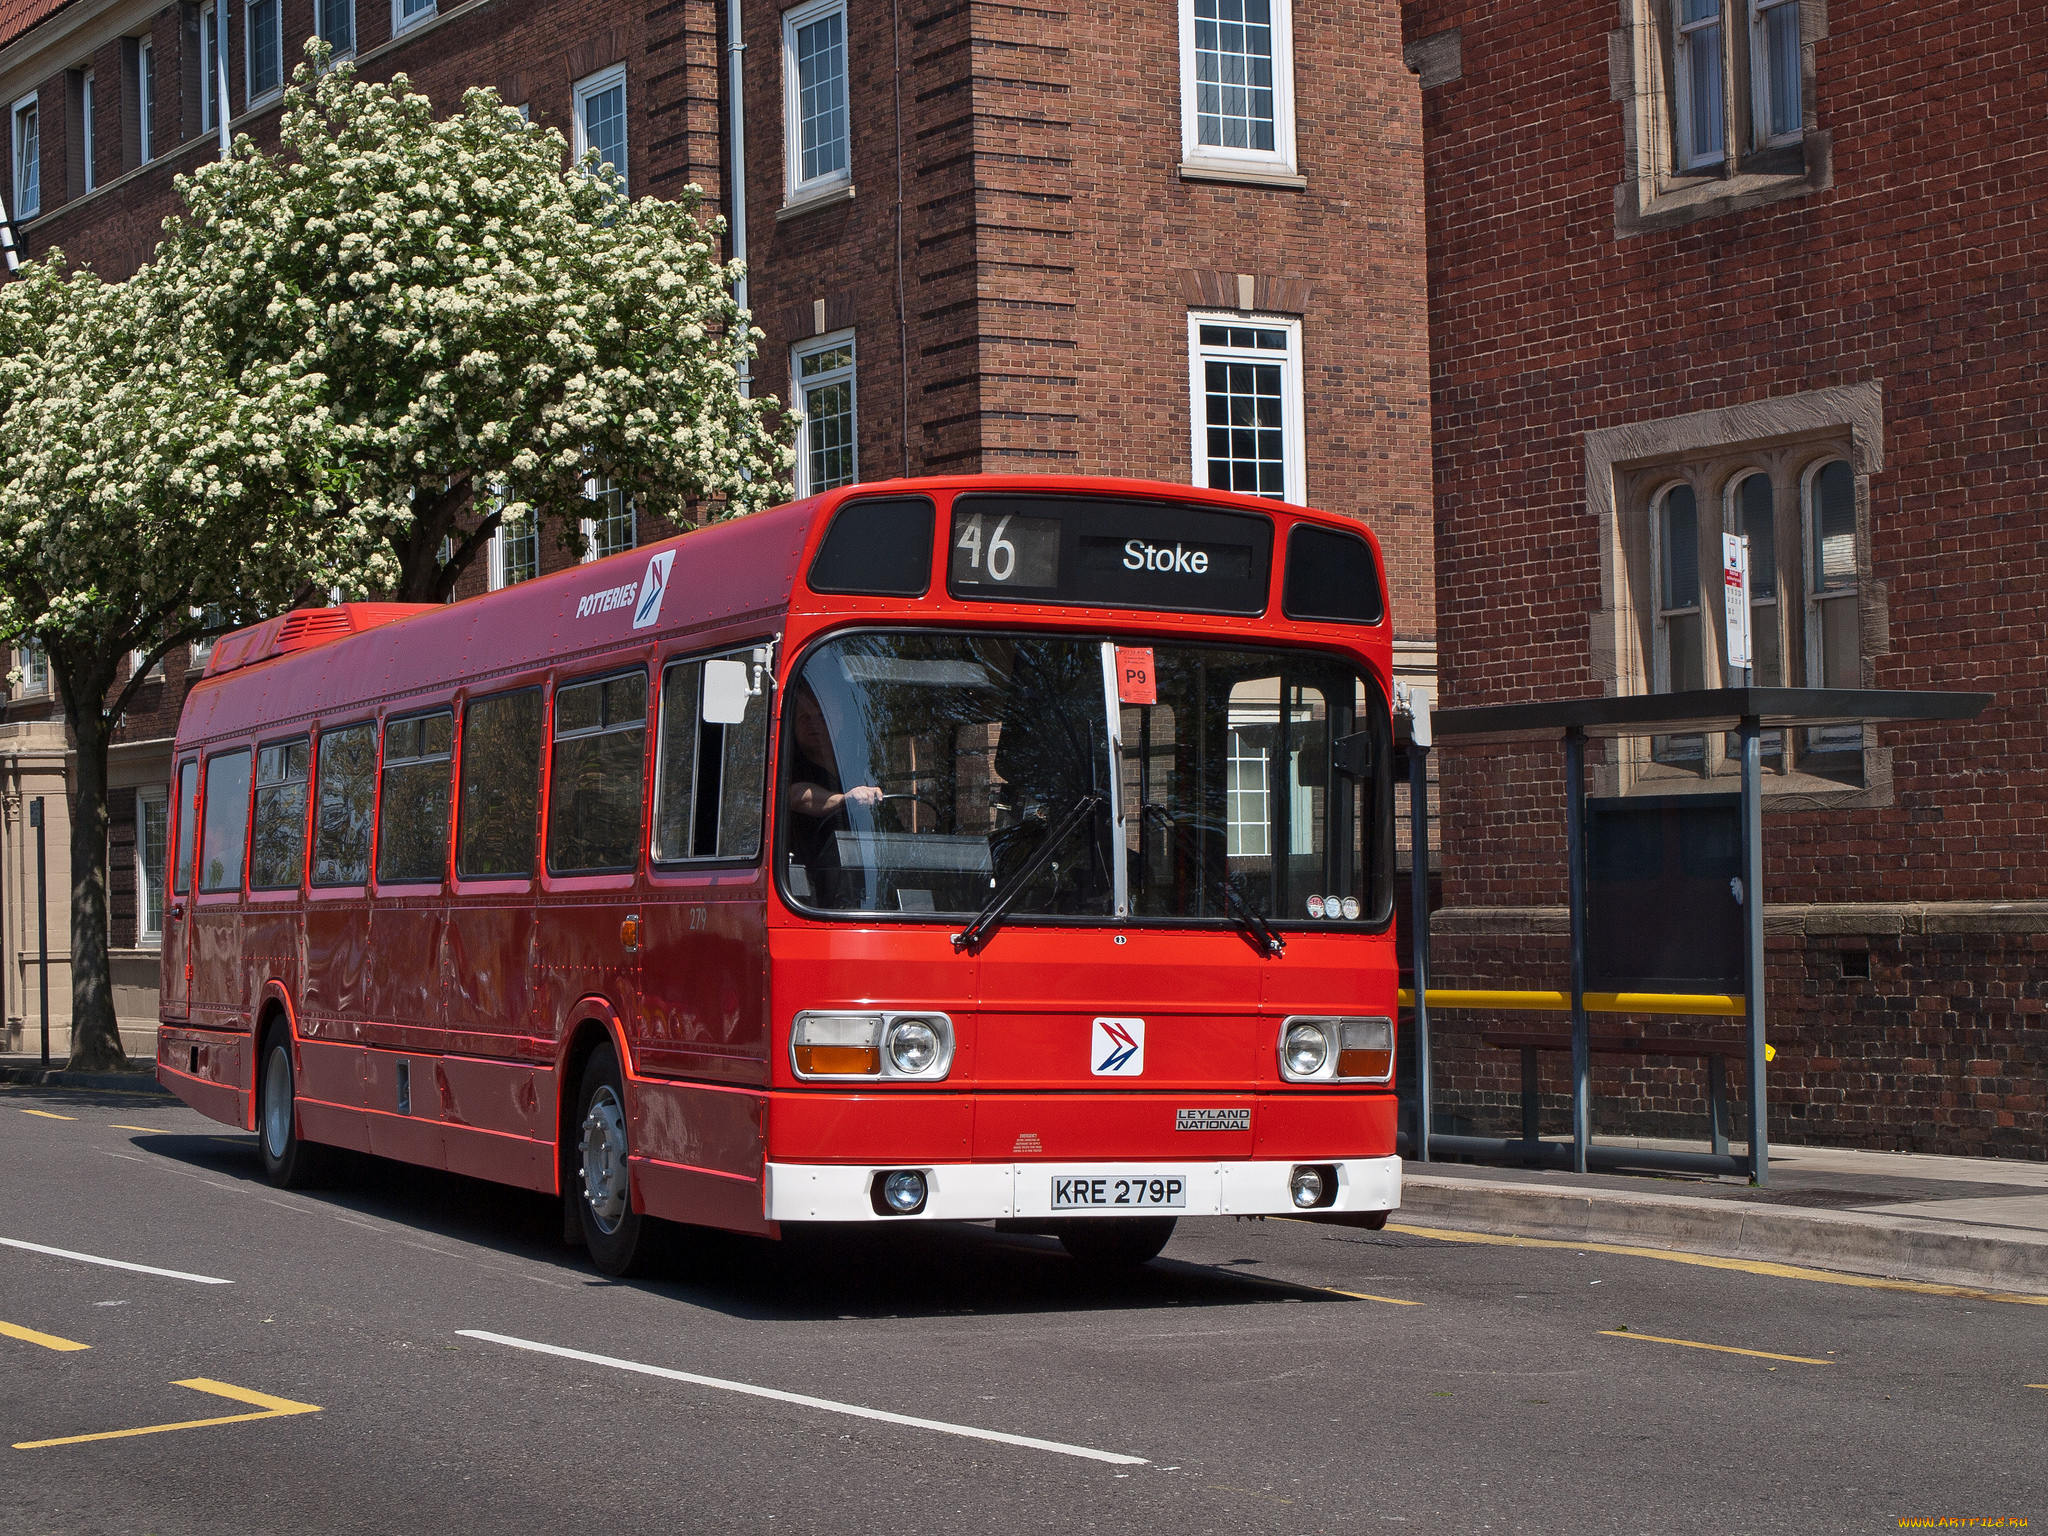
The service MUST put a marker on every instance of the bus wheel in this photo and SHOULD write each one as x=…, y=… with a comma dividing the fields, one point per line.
x=614, y=1232
x=289, y=1161
x=1117, y=1241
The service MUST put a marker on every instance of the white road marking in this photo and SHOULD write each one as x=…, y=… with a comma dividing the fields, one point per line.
x=93, y=1258
x=802, y=1401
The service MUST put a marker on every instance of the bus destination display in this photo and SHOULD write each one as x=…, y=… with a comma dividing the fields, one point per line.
x=1109, y=553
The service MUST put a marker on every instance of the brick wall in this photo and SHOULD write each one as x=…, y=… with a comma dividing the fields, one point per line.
x=1916, y=269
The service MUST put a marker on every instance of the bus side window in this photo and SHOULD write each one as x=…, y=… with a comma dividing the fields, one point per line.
x=600, y=767
x=711, y=779
x=279, y=854
x=412, y=825
x=347, y=792
x=500, y=822
x=227, y=822
x=188, y=834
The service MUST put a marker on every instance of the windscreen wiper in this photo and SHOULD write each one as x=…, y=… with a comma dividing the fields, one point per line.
x=990, y=917
x=1261, y=934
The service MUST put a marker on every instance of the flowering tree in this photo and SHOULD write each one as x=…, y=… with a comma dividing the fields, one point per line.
x=141, y=481
x=491, y=327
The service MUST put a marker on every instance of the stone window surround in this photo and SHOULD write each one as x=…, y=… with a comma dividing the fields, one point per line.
x=1652, y=195
x=1626, y=465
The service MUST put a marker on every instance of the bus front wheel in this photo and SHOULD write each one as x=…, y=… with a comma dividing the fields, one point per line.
x=1117, y=1241
x=613, y=1231
x=289, y=1160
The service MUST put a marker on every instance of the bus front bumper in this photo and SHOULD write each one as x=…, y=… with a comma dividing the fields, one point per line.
x=1059, y=1191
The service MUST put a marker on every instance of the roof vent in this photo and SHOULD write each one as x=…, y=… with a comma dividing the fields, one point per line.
x=302, y=629
x=312, y=626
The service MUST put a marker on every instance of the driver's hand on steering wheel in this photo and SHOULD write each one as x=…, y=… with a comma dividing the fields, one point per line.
x=864, y=794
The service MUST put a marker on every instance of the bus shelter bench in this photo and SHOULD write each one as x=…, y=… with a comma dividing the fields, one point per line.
x=1716, y=1052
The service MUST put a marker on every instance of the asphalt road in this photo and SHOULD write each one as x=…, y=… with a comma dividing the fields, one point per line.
x=1252, y=1393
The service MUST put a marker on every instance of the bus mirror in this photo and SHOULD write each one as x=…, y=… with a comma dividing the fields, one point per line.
x=725, y=692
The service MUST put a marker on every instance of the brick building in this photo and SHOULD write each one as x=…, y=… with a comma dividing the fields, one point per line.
x=1015, y=237
x=1771, y=267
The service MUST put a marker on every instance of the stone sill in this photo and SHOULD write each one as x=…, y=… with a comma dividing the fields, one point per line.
x=1689, y=199
x=814, y=201
x=1815, y=920
x=1250, y=176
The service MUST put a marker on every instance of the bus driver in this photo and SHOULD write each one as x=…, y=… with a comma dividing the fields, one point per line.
x=814, y=795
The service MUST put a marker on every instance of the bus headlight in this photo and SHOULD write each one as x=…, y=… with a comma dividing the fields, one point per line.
x=1318, y=1050
x=913, y=1047
x=872, y=1045
x=1304, y=1049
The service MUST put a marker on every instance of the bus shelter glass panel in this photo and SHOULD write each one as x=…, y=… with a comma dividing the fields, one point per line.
x=596, y=781
x=279, y=855
x=412, y=827
x=344, y=801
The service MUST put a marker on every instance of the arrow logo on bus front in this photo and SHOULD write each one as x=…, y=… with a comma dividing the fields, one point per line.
x=1118, y=1049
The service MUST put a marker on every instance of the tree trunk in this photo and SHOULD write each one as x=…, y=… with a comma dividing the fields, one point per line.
x=95, y=1037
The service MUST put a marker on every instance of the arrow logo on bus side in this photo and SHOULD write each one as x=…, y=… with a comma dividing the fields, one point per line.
x=653, y=588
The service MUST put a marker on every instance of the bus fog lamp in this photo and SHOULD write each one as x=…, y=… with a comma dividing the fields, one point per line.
x=1306, y=1186
x=904, y=1191
x=1305, y=1050
x=913, y=1046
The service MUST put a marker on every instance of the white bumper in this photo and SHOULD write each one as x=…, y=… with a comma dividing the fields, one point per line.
x=995, y=1191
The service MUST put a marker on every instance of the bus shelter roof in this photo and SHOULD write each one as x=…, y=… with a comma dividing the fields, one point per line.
x=1706, y=709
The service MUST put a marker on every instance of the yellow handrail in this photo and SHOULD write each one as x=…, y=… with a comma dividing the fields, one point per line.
x=1715, y=1004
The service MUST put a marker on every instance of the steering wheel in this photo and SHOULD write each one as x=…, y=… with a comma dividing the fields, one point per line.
x=922, y=800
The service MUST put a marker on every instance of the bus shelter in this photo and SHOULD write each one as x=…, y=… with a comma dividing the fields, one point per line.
x=1747, y=714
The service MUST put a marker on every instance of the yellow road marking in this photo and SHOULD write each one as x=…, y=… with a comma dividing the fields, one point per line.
x=1392, y=1301
x=1746, y=1266
x=152, y=1129
x=1723, y=1349
x=2039, y=1386
x=30, y=1336
x=45, y=1114
x=273, y=1408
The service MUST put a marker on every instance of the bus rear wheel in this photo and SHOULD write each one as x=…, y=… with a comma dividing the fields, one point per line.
x=616, y=1234
x=1117, y=1242
x=289, y=1160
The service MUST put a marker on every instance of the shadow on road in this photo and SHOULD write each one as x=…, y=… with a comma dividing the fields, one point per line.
x=821, y=1272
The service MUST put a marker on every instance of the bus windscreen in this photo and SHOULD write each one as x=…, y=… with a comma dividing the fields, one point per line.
x=921, y=770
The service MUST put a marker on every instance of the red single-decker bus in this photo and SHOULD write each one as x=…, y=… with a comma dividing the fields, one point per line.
x=974, y=848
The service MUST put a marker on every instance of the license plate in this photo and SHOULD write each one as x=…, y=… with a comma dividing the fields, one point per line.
x=1119, y=1192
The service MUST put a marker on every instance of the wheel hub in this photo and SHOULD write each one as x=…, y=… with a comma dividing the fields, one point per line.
x=604, y=1159
x=277, y=1103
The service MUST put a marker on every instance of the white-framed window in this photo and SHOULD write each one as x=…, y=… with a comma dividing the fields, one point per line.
x=27, y=139
x=145, y=100
x=262, y=49
x=152, y=842
x=410, y=13
x=1237, y=84
x=209, y=67
x=615, y=527
x=514, y=553
x=200, y=651
x=1834, y=647
x=87, y=139
x=816, y=130
x=1679, y=660
x=1248, y=815
x=1696, y=52
x=1752, y=513
x=1245, y=383
x=34, y=664
x=335, y=21
x=137, y=659
x=601, y=118
x=821, y=379
x=1774, y=71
